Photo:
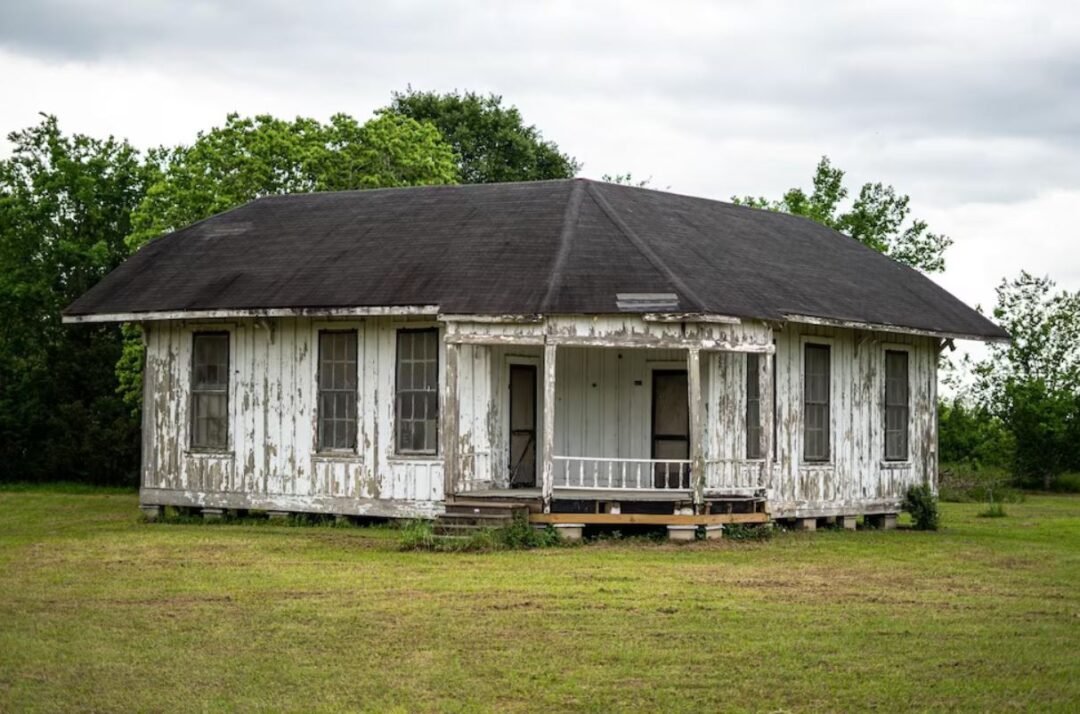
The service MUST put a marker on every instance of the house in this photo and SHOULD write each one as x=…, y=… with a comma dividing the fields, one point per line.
x=592, y=352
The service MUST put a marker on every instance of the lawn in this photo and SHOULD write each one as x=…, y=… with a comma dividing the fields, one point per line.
x=99, y=611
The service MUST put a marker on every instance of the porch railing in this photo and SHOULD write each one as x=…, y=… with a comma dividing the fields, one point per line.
x=596, y=472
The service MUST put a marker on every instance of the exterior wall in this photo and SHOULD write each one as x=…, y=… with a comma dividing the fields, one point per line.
x=603, y=409
x=857, y=479
x=272, y=461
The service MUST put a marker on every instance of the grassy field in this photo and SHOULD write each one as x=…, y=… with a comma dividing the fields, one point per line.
x=99, y=611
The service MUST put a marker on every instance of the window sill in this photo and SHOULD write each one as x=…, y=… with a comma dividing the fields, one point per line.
x=818, y=465
x=415, y=457
x=209, y=453
x=336, y=456
x=895, y=464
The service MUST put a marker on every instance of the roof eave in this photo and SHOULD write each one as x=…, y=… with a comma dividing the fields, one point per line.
x=901, y=329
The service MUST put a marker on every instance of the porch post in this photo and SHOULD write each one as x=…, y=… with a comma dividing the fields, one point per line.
x=450, y=422
x=765, y=389
x=697, y=455
x=548, y=483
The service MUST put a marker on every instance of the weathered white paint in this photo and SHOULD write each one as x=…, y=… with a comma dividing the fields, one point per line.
x=594, y=404
x=233, y=314
x=272, y=457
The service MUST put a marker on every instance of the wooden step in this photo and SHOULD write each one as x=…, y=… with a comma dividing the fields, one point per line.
x=491, y=520
x=459, y=529
x=453, y=509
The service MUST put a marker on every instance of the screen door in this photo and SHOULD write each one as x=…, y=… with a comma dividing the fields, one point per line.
x=522, y=425
x=670, y=427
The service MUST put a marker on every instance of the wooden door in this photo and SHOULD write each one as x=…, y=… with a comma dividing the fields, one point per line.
x=670, y=427
x=522, y=425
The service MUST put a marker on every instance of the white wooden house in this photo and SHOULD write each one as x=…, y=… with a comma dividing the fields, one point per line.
x=597, y=353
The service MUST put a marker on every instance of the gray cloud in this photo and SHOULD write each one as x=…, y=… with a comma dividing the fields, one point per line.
x=961, y=104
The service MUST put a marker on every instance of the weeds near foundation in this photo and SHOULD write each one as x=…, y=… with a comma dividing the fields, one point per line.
x=748, y=532
x=192, y=516
x=642, y=535
x=993, y=510
x=922, y=504
x=517, y=535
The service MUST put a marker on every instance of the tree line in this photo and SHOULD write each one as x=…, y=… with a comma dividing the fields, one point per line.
x=72, y=207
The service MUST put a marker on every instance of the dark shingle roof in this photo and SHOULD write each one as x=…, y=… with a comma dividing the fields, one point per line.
x=557, y=247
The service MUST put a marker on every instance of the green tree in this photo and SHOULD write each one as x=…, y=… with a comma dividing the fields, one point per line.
x=491, y=141
x=65, y=203
x=627, y=179
x=969, y=434
x=250, y=157
x=877, y=217
x=1033, y=383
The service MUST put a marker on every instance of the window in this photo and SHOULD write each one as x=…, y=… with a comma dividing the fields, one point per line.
x=753, y=406
x=210, y=390
x=896, y=405
x=337, y=390
x=816, y=386
x=417, y=405
x=775, y=418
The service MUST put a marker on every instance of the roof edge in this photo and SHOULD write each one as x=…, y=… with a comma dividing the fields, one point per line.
x=882, y=327
x=217, y=314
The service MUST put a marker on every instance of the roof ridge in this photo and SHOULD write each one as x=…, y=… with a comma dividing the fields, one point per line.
x=643, y=248
x=570, y=218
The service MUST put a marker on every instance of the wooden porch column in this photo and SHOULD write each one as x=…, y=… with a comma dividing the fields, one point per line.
x=697, y=453
x=450, y=416
x=548, y=482
x=765, y=390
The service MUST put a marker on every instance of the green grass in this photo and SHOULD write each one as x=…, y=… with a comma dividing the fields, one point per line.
x=99, y=611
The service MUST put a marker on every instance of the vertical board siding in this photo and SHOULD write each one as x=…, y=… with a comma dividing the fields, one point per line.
x=603, y=409
x=273, y=418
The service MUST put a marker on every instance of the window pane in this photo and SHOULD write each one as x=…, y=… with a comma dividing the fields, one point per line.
x=417, y=402
x=337, y=389
x=753, y=407
x=816, y=406
x=209, y=390
x=896, y=405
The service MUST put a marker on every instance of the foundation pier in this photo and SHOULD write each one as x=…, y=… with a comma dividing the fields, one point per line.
x=681, y=534
x=150, y=512
x=846, y=522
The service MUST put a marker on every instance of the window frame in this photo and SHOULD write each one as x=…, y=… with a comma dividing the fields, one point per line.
x=775, y=403
x=906, y=350
x=320, y=448
x=400, y=452
x=193, y=392
x=829, y=344
x=752, y=377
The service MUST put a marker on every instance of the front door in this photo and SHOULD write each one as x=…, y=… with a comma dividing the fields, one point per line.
x=522, y=425
x=670, y=427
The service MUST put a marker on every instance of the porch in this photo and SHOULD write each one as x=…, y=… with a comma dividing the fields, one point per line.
x=609, y=418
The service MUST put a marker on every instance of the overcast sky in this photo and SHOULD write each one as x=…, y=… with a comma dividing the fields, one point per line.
x=972, y=108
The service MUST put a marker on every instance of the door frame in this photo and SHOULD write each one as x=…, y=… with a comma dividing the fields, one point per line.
x=537, y=363
x=652, y=408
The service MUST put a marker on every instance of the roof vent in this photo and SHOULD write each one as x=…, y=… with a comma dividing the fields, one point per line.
x=647, y=302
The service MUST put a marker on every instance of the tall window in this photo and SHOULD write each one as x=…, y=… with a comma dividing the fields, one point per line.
x=753, y=406
x=417, y=405
x=337, y=390
x=816, y=378
x=896, y=405
x=210, y=390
